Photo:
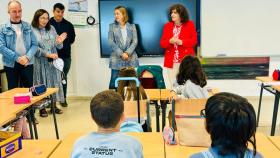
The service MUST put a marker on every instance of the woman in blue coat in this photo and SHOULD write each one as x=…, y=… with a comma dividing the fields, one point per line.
x=123, y=40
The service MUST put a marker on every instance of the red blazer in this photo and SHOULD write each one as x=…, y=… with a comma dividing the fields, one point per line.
x=188, y=36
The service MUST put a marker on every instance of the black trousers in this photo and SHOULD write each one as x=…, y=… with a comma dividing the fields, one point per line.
x=19, y=76
x=66, y=68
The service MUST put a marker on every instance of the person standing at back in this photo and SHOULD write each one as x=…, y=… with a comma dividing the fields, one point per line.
x=61, y=26
x=18, y=45
x=178, y=39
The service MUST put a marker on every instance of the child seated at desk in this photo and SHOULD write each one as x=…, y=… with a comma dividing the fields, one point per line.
x=190, y=80
x=231, y=123
x=127, y=89
x=107, y=112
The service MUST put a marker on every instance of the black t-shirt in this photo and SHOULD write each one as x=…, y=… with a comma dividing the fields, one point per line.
x=60, y=27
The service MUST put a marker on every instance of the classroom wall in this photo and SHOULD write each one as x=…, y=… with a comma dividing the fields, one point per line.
x=90, y=74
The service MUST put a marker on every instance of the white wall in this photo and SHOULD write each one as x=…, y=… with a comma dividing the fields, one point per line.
x=90, y=74
x=240, y=27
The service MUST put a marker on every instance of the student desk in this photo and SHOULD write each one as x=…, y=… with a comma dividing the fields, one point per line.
x=8, y=105
x=275, y=140
x=274, y=89
x=264, y=146
x=152, y=143
x=7, y=114
x=162, y=95
x=36, y=149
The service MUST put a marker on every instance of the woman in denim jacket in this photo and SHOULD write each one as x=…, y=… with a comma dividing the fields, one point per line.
x=123, y=41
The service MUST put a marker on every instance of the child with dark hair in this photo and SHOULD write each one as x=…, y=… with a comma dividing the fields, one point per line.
x=107, y=111
x=190, y=80
x=231, y=123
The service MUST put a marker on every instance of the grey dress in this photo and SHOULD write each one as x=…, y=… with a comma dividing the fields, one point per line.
x=44, y=70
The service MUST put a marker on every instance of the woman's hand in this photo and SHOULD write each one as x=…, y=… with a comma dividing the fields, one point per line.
x=52, y=56
x=179, y=42
x=125, y=56
x=61, y=38
x=172, y=40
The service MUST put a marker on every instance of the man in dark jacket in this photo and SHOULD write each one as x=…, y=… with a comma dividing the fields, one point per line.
x=61, y=25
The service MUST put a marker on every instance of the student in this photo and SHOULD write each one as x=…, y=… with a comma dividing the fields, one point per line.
x=128, y=91
x=231, y=123
x=190, y=80
x=107, y=111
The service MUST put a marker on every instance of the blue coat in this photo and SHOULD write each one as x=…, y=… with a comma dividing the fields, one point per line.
x=8, y=43
x=118, y=46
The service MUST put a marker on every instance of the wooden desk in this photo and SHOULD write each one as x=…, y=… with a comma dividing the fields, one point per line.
x=264, y=146
x=36, y=149
x=7, y=99
x=153, y=94
x=8, y=110
x=152, y=145
x=274, y=90
x=275, y=140
x=6, y=118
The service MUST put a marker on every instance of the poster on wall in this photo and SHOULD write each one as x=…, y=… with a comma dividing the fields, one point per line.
x=78, y=5
x=77, y=14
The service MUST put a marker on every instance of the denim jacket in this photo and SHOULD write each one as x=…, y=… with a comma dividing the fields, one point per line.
x=8, y=43
x=116, y=42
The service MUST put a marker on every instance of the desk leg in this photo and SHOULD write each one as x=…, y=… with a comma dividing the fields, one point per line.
x=157, y=115
x=163, y=107
x=32, y=110
x=275, y=111
x=30, y=123
x=54, y=117
x=260, y=102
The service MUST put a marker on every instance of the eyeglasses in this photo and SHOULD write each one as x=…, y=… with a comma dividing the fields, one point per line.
x=202, y=113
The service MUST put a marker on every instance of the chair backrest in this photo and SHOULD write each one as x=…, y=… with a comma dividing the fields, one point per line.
x=189, y=107
x=151, y=76
x=190, y=125
x=130, y=108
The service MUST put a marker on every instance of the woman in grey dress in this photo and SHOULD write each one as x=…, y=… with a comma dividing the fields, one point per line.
x=44, y=70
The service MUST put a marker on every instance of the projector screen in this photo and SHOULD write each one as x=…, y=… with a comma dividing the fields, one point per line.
x=240, y=27
x=149, y=17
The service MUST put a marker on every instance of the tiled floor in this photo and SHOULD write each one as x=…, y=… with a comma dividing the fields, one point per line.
x=76, y=118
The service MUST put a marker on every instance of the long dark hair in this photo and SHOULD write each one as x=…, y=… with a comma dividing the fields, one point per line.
x=191, y=69
x=231, y=122
x=131, y=85
x=37, y=15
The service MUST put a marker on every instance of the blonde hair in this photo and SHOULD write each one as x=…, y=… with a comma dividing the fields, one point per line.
x=131, y=85
x=123, y=10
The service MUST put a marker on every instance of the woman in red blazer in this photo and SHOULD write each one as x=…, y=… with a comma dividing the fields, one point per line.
x=179, y=38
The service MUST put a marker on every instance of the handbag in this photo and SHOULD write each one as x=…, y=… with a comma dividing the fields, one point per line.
x=38, y=89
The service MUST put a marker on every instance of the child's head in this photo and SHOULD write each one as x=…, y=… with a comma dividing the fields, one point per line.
x=231, y=122
x=131, y=85
x=191, y=69
x=107, y=109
